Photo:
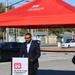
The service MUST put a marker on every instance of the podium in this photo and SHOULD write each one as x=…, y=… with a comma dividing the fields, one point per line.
x=21, y=66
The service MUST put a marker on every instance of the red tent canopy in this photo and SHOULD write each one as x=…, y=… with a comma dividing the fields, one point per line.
x=40, y=13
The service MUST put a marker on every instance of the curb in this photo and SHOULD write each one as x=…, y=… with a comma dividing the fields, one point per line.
x=57, y=51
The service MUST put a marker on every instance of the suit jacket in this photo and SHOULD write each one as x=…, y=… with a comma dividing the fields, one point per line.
x=34, y=52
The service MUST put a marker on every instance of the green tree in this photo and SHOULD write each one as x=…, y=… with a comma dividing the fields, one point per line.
x=11, y=7
x=2, y=8
x=58, y=31
x=23, y=31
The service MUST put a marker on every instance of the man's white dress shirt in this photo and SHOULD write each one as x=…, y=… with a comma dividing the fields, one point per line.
x=28, y=46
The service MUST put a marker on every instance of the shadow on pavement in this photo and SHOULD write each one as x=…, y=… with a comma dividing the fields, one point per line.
x=2, y=61
x=55, y=72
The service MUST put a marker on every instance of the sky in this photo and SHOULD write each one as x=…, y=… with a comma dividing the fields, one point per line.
x=72, y=2
x=10, y=2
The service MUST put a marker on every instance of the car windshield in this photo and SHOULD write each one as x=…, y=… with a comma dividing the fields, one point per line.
x=1, y=44
x=68, y=40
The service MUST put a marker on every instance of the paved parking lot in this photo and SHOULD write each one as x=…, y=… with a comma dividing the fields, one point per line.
x=50, y=64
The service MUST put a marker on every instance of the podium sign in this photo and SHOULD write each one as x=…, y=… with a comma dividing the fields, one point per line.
x=19, y=66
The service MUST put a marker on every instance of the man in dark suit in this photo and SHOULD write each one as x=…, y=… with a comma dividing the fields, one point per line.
x=31, y=49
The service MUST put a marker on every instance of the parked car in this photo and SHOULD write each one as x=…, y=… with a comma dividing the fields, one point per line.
x=38, y=41
x=69, y=43
x=9, y=50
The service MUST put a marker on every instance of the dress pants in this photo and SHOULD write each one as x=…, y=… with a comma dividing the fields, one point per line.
x=32, y=70
x=35, y=71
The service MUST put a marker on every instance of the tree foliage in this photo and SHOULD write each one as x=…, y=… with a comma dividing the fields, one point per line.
x=10, y=7
x=2, y=8
x=23, y=31
x=58, y=31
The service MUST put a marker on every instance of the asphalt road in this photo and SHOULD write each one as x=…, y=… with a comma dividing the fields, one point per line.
x=50, y=64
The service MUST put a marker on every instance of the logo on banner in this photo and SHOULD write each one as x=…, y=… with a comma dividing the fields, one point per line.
x=36, y=8
x=17, y=66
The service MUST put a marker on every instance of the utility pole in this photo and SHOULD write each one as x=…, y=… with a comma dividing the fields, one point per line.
x=32, y=33
x=47, y=36
x=7, y=29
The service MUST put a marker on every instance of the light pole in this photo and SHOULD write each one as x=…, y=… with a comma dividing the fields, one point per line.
x=7, y=29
